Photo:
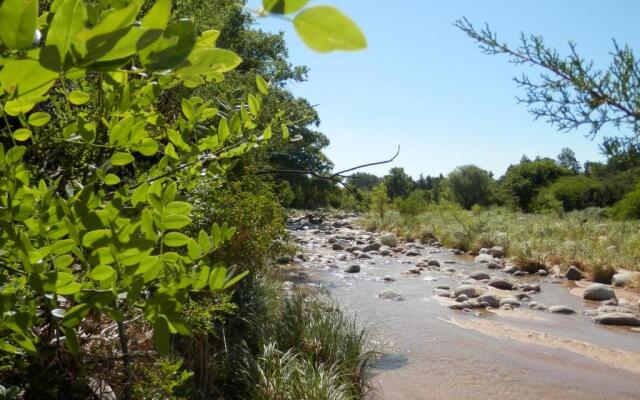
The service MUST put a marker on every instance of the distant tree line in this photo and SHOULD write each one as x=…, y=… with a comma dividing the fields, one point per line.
x=538, y=185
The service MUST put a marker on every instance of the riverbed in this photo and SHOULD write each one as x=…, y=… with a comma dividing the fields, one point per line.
x=433, y=352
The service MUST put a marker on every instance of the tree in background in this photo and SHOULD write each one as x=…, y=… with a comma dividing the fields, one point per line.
x=571, y=93
x=398, y=183
x=567, y=158
x=379, y=199
x=363, y=180
x=470, y=185
x=522, y=182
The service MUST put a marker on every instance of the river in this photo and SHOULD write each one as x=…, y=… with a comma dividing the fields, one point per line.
x=433, y=352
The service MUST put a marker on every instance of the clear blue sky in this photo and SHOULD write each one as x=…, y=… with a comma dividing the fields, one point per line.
x=423, y=85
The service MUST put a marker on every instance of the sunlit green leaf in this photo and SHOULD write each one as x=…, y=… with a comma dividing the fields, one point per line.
x=102, y=273
x=69, y=19
x=38, y=119
x=22, y=134
x=217, y=278
x=121, y=158
x=148, y=147
x=325, y=29
x=262, y=85
x=175, y=221
x=235, y=279
x=78, y=97
x=111, y=179
x=18, y=23
x=176, y=239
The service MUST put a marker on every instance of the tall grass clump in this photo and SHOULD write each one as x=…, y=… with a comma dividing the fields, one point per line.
x=586, y=238
x=312, y=351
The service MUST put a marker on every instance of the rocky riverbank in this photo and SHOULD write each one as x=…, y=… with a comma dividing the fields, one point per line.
x=455, y=326
x=495, y=284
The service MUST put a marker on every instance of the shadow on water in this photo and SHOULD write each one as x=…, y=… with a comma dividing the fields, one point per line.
x=389, y=361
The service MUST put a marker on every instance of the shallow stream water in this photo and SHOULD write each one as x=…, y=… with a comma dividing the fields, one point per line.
x=432, y=352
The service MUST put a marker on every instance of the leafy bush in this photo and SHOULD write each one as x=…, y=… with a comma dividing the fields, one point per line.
x=628, y=207
x=414, y=204
x=252, y=209
x=378, y=199
x=577, y=192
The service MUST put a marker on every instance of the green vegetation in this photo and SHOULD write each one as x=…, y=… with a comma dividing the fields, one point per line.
x=135, y=232
x=581, y=238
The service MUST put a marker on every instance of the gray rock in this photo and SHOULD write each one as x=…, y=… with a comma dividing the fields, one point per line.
x=530, y=287
x=534, y=305
x=510, y=269
x=483, y=250
x=390, y=295
x=385, y=253
x=519, y=273
x=462, y=298
x=622, y=279
x=433, y=263
x=562, y=310
x=496, y=252
x=337, y=246
x=442, y=293
x=449, y=269
x=414, y=271
x=573, y=274
x=510, y=301
x=483, y=259
x=493, y=265
x=389, y=279
x=599, y=292
x=371, y=247
x=621, y=319
x=490, y=300
x=412, y=253
x=342, y=257
x=364, y=256
x=352, y=269
x=479, y=275
x=468, y=290
x=542, y=272
x=500, y=283
x=612, y=302
x=444, y=287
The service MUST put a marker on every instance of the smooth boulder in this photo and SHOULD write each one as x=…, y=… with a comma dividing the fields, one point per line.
x=621, y=319
x=468, y=290
x=599, y=292
x=573, y=274
x=352, y=269
x=500, y=283
x=562, y=310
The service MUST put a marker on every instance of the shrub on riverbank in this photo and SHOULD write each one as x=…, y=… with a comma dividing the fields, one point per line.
x=582, y=238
